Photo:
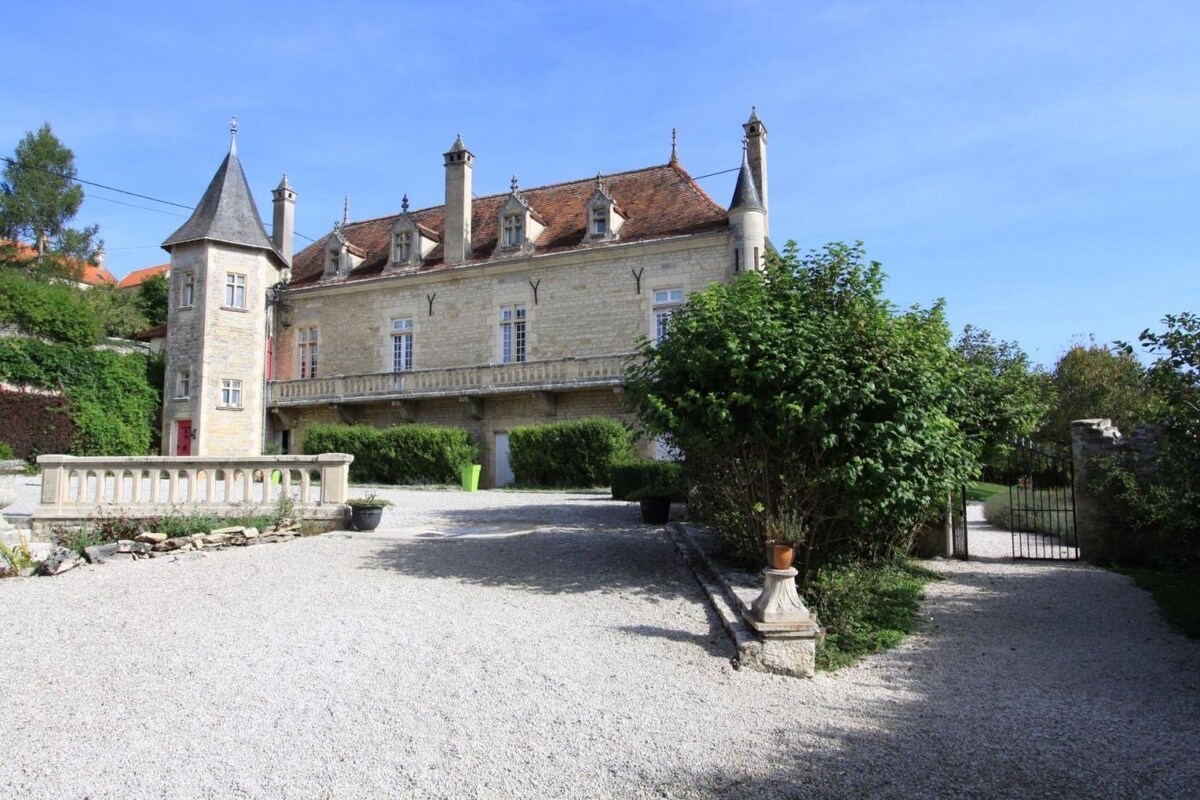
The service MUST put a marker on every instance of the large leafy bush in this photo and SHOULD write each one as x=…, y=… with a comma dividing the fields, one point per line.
x=567, y=454
x=54, y=311
x=808, y=407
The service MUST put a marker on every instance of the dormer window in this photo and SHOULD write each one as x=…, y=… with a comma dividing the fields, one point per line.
x=333, y=264
x=512, y=230
x=402, y=247
x=603, y=218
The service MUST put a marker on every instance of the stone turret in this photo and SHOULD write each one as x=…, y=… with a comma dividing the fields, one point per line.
x=457, y=236
x=222, y=263
x=748, y=221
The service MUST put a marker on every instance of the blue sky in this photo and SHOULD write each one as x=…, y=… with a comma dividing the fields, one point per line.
x=1033, y=163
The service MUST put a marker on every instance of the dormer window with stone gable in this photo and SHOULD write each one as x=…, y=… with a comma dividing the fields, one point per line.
x=520, y=225
x=341, y=255
x=604, y=219
x=333, y=264
x=411, y=241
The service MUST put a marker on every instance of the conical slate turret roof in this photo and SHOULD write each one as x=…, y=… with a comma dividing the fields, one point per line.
x=226, y=213
x=745, y=194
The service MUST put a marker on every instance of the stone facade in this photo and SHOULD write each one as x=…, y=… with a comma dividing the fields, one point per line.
x=1094, y=441
x=413, y=318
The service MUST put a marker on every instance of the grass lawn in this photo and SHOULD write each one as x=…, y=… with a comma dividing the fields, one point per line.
x=979, y=490
x=1177, y=595
x=865, y=608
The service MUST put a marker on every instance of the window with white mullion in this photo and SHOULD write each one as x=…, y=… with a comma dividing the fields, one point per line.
x=402, y=345
x=512, y=230
x=307, y=345
x=666, y=301
x=235, y=290
x=512, y=334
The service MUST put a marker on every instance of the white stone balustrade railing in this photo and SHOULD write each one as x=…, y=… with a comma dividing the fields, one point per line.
x=548, y=375
x=75, y=489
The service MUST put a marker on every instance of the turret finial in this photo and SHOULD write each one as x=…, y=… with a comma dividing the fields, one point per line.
x=233, y=126
x=514, y=184
x=404, y=203
x=674, y=147
x=346, y=210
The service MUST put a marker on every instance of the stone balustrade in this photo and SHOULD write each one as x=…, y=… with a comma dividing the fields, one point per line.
x=78, y=489
x=485, y=379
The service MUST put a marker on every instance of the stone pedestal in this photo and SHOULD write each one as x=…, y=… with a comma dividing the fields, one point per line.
x=788, y=630
x=9, y=470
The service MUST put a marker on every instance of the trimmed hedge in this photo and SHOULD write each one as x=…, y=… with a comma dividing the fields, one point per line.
x=400, y=454
x=629, y=476
x=567, y=454
x=109, y=399
x=33, y=424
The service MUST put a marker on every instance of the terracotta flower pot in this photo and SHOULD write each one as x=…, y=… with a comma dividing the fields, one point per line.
x=780, y=554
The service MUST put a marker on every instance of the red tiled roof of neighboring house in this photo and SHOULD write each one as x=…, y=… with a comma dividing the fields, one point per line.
x=157, y=332
x=91, y=274
x=657, y=202
x=138, y=276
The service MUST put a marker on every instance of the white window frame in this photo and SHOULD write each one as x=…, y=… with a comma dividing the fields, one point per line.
x=402, y=246
x=231, y=393
x=513, y=230
x=599, y=221
x=402, y=344
x=333, y=262
x=308, y=340
x=183, y=384
x=666, y=302
x=187, y=290
x=514, y=333
x=235, y=290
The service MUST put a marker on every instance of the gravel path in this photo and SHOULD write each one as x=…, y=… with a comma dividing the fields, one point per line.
x=546, y=645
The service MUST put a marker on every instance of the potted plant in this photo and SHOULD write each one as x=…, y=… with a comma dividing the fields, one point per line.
x=655, y=500
x=366, y=512
x=780, y=553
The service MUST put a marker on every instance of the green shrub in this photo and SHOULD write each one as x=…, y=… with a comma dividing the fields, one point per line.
x=53, y=311
x=628, y=476
x=400, y=454
x=568, y=454
x=6, y=452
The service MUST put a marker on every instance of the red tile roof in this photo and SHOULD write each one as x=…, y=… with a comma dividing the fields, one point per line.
x=657, y=202
x=138, y=276
x=91, y=274
x=157, y=332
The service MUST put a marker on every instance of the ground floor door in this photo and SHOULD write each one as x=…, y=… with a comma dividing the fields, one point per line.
x=503, y=472
x=183, y=437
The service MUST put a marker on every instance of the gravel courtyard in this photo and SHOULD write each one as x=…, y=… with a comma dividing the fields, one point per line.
x=548, y=645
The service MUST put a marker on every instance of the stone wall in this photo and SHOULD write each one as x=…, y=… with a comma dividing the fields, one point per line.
x=1093, y=442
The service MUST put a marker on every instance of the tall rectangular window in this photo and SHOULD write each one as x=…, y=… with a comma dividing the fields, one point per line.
x=402, y=345
x=187, y=290
x=183, y=384
x=231, y=394
x=235, y=290
x=599, y=221
x=402, y=247
x=306, y=355
x=512, y=230
x=512, y=333
x=665, y=303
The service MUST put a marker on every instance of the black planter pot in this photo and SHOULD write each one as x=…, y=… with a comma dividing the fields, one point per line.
x=655, y=510
x=365, y=518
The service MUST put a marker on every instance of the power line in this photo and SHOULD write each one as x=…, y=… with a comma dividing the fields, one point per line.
x=711, y=174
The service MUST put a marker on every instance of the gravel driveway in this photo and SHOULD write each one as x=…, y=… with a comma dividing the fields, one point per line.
x=547, y=645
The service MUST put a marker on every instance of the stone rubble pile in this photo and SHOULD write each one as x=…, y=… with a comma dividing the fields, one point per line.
x=152, y=545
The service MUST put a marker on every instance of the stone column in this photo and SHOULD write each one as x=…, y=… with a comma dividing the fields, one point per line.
x=1091, y=438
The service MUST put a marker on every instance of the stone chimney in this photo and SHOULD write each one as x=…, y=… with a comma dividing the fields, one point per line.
x=456, y=240
x=756, y=152
x=283, y=223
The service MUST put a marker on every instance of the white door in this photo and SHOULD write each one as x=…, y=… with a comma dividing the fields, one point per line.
x=504, y=474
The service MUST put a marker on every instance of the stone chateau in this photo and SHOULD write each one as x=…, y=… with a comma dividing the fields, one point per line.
x=483, y=312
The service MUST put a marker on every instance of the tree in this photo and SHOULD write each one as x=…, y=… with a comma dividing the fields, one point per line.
x=807, y=407
x=1091, y=381
x=119, y=312
x=1004, y=397
x=39, y=196
x=152, y=297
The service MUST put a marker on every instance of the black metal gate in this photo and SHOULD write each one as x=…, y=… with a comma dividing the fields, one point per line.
x=1041, y=502
x=958, y=523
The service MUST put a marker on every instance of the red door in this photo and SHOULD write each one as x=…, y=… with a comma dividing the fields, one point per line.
x=183, y=437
